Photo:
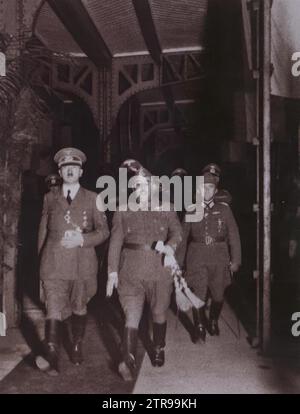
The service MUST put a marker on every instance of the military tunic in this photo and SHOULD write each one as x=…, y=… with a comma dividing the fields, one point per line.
x=69, y=276
x=223, y=196
x=141, y=272
x=213, y=243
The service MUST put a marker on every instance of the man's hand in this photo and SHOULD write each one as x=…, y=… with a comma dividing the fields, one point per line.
x=168, y=251
x=164, y=248
x=292, y=248
x=112, y=282
x=170, y=261
x=234, y=267
x=72, y=239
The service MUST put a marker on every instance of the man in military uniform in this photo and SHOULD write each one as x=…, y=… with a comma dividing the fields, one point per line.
x=70, y=228
x=137, y=269
x=221, y=196
x=53, y=182
x=213, y=252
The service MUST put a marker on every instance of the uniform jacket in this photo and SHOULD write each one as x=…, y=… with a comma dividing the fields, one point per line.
x=142, y=227
x=58, y=216
x=214, y=239
x=223, y=196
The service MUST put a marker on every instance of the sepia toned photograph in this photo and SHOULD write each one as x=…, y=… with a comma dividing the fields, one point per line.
x=150, y=199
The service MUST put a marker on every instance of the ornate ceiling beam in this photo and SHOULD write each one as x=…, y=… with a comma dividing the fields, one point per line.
x=148, y=29
x=78, y=22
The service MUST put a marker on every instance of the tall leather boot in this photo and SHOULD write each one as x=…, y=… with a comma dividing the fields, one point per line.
x=78, y=329
x=215, y=310
x=50, y=363
x=67, y=335
x=199, y=325
x=128, y=365
x=159, y=340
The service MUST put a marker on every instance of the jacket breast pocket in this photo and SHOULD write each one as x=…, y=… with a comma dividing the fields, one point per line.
x=160, y=228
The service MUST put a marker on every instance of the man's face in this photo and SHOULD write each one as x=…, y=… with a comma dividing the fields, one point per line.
x=70, y=173
x=209, y=191
x=142, y=189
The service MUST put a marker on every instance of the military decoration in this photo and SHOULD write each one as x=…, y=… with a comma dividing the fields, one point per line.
x=68, y=219
x=219, y=225
x=85, y=222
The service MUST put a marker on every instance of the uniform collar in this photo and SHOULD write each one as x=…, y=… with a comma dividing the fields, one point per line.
x=209, y=204
x=74, y=188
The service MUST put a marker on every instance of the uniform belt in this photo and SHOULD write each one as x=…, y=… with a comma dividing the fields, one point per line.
x=209, y=241
x=57, y=235
x=140, y=246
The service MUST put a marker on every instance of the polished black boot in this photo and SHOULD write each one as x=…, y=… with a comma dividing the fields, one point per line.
x=199, y=332
x=67, y=335
x=78, y=330
x=215, y=310
x=159, y=340
x=127, y=366
x=50, y=362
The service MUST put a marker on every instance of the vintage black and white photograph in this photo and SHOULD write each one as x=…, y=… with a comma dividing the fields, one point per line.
x=150, y=198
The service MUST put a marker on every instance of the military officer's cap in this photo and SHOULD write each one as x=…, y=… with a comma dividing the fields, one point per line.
x=212, y=169
x=179, y=171
x=210, y=178
x=139, y=174
x=53, y=180
x=132, y=166
x=135, y=168
x=69, y=156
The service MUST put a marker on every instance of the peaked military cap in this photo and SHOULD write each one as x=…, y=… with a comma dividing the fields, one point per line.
x=138, y=173
x=53, y=180
x=210, y=178
x=212, y=169
x=179, y=171
x=69, y=156
x=132, y=166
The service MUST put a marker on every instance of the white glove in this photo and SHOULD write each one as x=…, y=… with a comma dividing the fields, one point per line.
x=168, y=251
x=112, y=282
x=164, y=248
x=170, y=261
x=234, y=267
